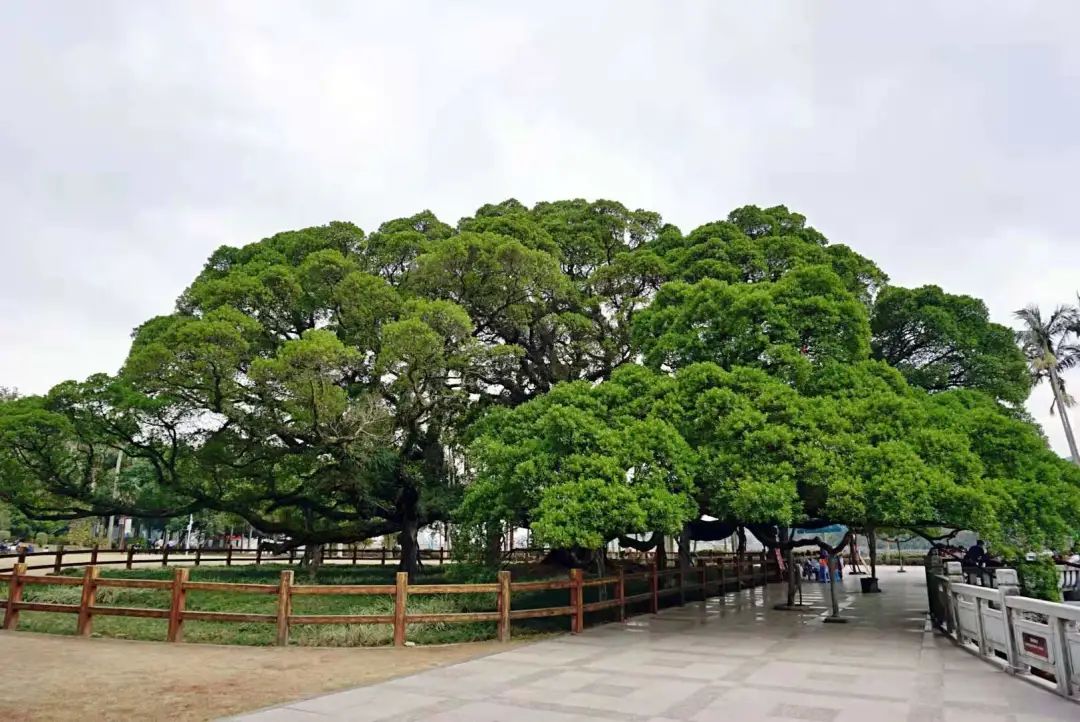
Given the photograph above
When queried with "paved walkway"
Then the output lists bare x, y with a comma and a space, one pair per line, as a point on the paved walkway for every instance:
734, 659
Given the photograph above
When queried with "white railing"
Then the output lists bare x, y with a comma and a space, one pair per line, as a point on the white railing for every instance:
999, 624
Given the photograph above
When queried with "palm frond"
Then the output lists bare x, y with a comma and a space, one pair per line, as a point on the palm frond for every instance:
1062, 321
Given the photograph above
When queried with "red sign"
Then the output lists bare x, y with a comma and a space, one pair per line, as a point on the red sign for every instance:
1035, 646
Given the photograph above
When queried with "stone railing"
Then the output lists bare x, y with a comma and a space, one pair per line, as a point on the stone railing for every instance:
1029, 636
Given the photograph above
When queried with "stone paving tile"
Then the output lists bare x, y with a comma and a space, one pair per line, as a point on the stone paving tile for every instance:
731, 660
367, 704
646, 697
500, 712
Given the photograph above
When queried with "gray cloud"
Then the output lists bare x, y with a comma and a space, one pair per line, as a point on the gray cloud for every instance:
938, 139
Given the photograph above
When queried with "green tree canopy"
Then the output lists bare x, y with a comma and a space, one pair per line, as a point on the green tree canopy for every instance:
940, 341
808, 311
851, 444
323, 384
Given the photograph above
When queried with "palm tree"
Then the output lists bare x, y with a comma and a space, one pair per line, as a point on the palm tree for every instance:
1051, 348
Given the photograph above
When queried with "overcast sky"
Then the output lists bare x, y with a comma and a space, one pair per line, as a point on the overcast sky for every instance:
940, 139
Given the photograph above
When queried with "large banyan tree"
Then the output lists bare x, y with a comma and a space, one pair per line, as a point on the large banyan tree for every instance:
577, 368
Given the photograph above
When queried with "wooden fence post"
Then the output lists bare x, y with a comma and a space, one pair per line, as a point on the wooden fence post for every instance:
93, 555
15, 590
130, 556
401, 600
504, 605
284, 607
654, 581
228, 557
86, 604
176, 605
258, 553
59, 559
22, 555
620, 590
579, 601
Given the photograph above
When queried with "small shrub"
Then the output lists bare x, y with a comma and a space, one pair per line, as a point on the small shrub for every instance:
1039, 579
81, 533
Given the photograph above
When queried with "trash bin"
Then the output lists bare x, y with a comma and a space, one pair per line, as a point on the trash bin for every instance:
869, 585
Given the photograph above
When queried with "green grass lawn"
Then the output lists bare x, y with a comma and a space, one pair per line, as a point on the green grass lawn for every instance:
311, 635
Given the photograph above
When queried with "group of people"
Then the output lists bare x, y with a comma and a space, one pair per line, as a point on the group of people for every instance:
820, 572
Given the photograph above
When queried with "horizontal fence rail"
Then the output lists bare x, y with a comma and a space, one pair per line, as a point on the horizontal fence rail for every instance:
35, 561
710, 577
1030, 636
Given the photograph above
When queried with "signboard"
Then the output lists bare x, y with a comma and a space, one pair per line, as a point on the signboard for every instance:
1035, 645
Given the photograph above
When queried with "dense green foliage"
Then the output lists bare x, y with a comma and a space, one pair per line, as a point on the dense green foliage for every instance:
333, 385
941, 341
1040, 579
848, 443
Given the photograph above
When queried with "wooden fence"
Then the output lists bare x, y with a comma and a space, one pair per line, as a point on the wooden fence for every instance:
702, 580
35, 561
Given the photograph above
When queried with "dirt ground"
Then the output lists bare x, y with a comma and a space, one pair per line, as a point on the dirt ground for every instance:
43, 677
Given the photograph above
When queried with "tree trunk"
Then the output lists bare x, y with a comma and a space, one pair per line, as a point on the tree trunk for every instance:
601, 569
871, 541
1059, 401
661, 553
410, 548
684, 555
789, 562
312, 559
493, 549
